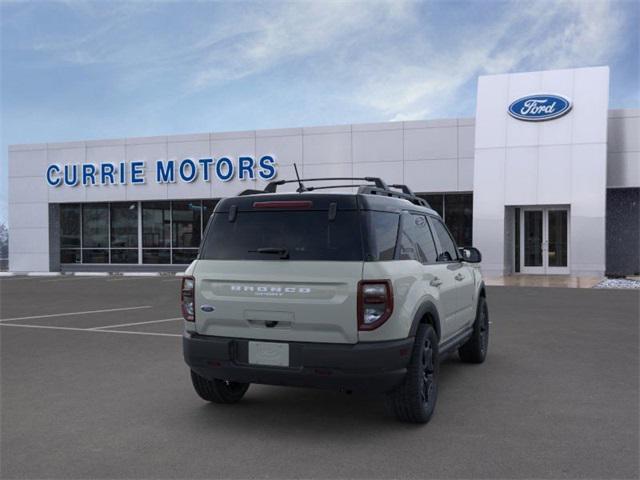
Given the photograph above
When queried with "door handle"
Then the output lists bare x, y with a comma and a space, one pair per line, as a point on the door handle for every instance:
436, 282
459, 277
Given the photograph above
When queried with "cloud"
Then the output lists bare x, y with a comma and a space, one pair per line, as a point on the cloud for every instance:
535, 37
393, 58
293, 31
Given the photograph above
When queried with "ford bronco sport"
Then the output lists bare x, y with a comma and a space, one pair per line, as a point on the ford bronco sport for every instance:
361, 291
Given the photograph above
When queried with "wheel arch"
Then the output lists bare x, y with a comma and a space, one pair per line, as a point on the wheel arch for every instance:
426, 314
482, 291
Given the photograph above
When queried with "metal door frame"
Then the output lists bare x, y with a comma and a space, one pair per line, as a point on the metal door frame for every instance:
545, 269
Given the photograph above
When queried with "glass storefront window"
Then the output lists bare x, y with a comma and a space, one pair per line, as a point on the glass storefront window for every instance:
70, 255
184, 255
186, 220
95, 225
156, 224
127, 255
456, 209
156, 255
108, 232
208, 206
124, 225
436, 200
458, 215
69, 226
95, 255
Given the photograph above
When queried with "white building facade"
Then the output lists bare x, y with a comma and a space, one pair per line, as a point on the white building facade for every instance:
544, 180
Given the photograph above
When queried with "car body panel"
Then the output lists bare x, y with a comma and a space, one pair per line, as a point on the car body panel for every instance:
280, 300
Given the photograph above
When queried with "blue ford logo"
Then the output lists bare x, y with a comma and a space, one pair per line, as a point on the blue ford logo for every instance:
207, 308
535, 108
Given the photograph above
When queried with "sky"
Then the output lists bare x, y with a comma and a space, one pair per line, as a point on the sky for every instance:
73, 70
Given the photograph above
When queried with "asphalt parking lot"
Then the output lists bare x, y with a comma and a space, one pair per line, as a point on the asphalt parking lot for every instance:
94, 386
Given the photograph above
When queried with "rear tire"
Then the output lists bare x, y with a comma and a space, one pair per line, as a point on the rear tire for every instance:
475, 349
414, 400
218, 391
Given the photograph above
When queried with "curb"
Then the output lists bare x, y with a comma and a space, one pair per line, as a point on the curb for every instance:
92, 274
140, 274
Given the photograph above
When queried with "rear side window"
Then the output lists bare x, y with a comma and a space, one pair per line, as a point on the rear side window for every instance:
381, 235
416, 241
304, 235
448, 252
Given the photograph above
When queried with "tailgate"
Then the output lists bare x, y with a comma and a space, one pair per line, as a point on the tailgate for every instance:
300, 301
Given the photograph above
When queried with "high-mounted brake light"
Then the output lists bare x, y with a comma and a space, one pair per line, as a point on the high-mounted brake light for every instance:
284, 204
375, 303
187, 300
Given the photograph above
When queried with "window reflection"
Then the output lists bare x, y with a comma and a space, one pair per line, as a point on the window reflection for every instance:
208, 206
436, 201
95, 255
186, 218
456, 209
156, 224
95, 225
108, 232
69, 226
156, 256
124, 225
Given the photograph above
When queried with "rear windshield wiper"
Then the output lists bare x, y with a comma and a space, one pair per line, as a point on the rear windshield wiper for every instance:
283, 252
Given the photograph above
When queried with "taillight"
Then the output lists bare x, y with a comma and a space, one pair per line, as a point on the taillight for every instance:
187, 301
375, 303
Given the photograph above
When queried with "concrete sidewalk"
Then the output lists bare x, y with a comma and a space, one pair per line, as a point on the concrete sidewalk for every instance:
557, 281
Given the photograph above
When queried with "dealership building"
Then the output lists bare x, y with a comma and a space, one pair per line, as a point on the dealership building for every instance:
544, 180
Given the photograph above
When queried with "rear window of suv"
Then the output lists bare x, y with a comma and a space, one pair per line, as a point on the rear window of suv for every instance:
302, 234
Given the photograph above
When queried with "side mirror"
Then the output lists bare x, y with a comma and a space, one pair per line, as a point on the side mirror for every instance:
470, 254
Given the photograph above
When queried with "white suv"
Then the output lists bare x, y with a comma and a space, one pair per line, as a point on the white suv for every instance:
361, 291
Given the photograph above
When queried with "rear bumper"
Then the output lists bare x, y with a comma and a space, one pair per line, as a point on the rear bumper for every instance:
370, 367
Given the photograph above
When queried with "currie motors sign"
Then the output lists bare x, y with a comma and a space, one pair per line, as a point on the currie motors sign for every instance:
137, 172
536, 108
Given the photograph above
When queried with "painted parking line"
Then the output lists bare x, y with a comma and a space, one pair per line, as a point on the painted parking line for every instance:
18, 279
71, 279
135, 323
124, 279
88, 312
74, 329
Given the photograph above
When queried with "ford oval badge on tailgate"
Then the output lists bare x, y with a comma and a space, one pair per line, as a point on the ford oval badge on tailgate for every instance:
207, 308
536, 108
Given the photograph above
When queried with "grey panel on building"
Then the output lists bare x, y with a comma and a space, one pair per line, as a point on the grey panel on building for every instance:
623, 231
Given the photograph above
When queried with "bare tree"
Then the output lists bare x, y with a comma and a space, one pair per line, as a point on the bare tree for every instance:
4, 241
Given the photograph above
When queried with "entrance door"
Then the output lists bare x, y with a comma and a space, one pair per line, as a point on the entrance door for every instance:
544, 240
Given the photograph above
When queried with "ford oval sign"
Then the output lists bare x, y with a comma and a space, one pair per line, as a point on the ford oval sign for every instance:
536, 108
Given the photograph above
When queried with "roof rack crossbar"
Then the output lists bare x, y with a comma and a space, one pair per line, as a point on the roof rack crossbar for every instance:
370, 190
404, 188
327, 187
378, 187
273, 186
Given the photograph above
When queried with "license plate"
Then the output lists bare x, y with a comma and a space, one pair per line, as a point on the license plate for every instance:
269, 353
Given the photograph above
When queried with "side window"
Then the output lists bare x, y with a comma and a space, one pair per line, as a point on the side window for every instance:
382, 235
406, 247
448, 251
416, 242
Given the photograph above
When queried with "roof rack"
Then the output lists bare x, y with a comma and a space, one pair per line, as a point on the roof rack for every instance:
376, 186
273, 186
406, 193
